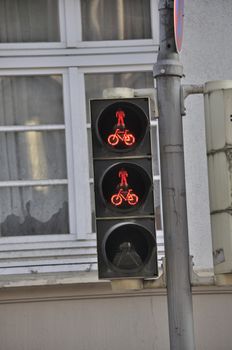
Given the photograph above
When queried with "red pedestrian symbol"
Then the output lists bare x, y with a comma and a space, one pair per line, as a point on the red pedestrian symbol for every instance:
120, 115
121, 135
123, 175
124, 194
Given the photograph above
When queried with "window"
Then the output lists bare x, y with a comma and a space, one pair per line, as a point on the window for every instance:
55, 55
33, 175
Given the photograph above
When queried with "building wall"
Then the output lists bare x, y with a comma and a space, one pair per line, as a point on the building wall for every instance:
91, 317
206, 55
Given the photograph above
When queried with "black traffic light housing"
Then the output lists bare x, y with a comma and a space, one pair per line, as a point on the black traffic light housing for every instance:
123, 183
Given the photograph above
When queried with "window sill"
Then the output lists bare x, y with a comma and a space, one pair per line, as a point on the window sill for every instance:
37, 280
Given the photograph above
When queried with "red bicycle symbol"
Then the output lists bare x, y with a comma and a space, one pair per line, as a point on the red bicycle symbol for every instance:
126, 196
121, 135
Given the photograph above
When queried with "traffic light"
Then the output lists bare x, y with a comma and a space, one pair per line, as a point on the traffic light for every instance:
123, 184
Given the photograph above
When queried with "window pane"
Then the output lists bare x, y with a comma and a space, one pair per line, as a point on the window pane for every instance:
29, 21
38, 210
115, 19
32, 155
31, 100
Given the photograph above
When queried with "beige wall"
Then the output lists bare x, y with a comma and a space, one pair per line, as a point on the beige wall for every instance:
205, 56
91, 317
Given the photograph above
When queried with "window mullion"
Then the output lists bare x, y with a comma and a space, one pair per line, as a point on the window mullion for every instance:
62, 21
80, 152
69, 154
73, 22
154, 21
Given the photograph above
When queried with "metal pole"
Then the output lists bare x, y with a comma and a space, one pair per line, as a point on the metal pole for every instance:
168, 72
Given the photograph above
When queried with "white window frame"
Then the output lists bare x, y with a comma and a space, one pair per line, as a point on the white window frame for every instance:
71, 32
75, 251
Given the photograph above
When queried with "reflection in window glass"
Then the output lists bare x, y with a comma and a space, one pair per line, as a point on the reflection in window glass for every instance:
115, 19
24, 21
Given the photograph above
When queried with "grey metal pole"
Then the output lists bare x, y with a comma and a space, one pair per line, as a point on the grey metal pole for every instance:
168, 72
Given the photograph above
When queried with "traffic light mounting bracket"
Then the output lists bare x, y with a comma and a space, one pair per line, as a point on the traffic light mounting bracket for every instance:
187, 90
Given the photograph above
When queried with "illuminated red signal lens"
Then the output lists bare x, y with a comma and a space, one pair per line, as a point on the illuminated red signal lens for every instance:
121, 125
127, 196
121, 136
125, 186
124, 194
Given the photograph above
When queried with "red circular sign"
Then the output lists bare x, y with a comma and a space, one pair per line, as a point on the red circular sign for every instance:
178, 23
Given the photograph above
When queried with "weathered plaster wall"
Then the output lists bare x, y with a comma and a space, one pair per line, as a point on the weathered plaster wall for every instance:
91, 317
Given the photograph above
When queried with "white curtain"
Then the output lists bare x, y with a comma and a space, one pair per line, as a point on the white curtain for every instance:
115, 19
32, 155
29, 21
